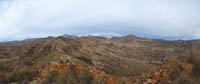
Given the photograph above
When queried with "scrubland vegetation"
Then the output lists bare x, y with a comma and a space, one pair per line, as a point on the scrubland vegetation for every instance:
127, 60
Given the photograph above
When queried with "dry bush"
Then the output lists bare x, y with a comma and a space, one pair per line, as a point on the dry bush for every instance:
24, 74
68, 76
193, 77
51, 77
84, 77
87, 60
98, 78
195, 60
5, 68
124, 70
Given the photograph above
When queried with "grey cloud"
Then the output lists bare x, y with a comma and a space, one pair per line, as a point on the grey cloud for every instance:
168, 19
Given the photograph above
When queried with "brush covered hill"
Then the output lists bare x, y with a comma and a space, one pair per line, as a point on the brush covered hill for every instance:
72, 60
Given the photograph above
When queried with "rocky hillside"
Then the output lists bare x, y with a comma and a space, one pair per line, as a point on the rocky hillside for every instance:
128, 59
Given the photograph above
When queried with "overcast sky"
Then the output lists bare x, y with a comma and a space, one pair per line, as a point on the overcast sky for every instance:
161, 19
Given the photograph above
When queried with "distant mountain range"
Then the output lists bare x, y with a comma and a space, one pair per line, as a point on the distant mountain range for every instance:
75, 37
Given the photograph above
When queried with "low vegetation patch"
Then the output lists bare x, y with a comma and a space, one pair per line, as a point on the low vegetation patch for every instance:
195, 60
87, 60
68, 76
22, 75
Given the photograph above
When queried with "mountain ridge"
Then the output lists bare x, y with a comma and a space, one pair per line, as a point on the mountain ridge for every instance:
122, 57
